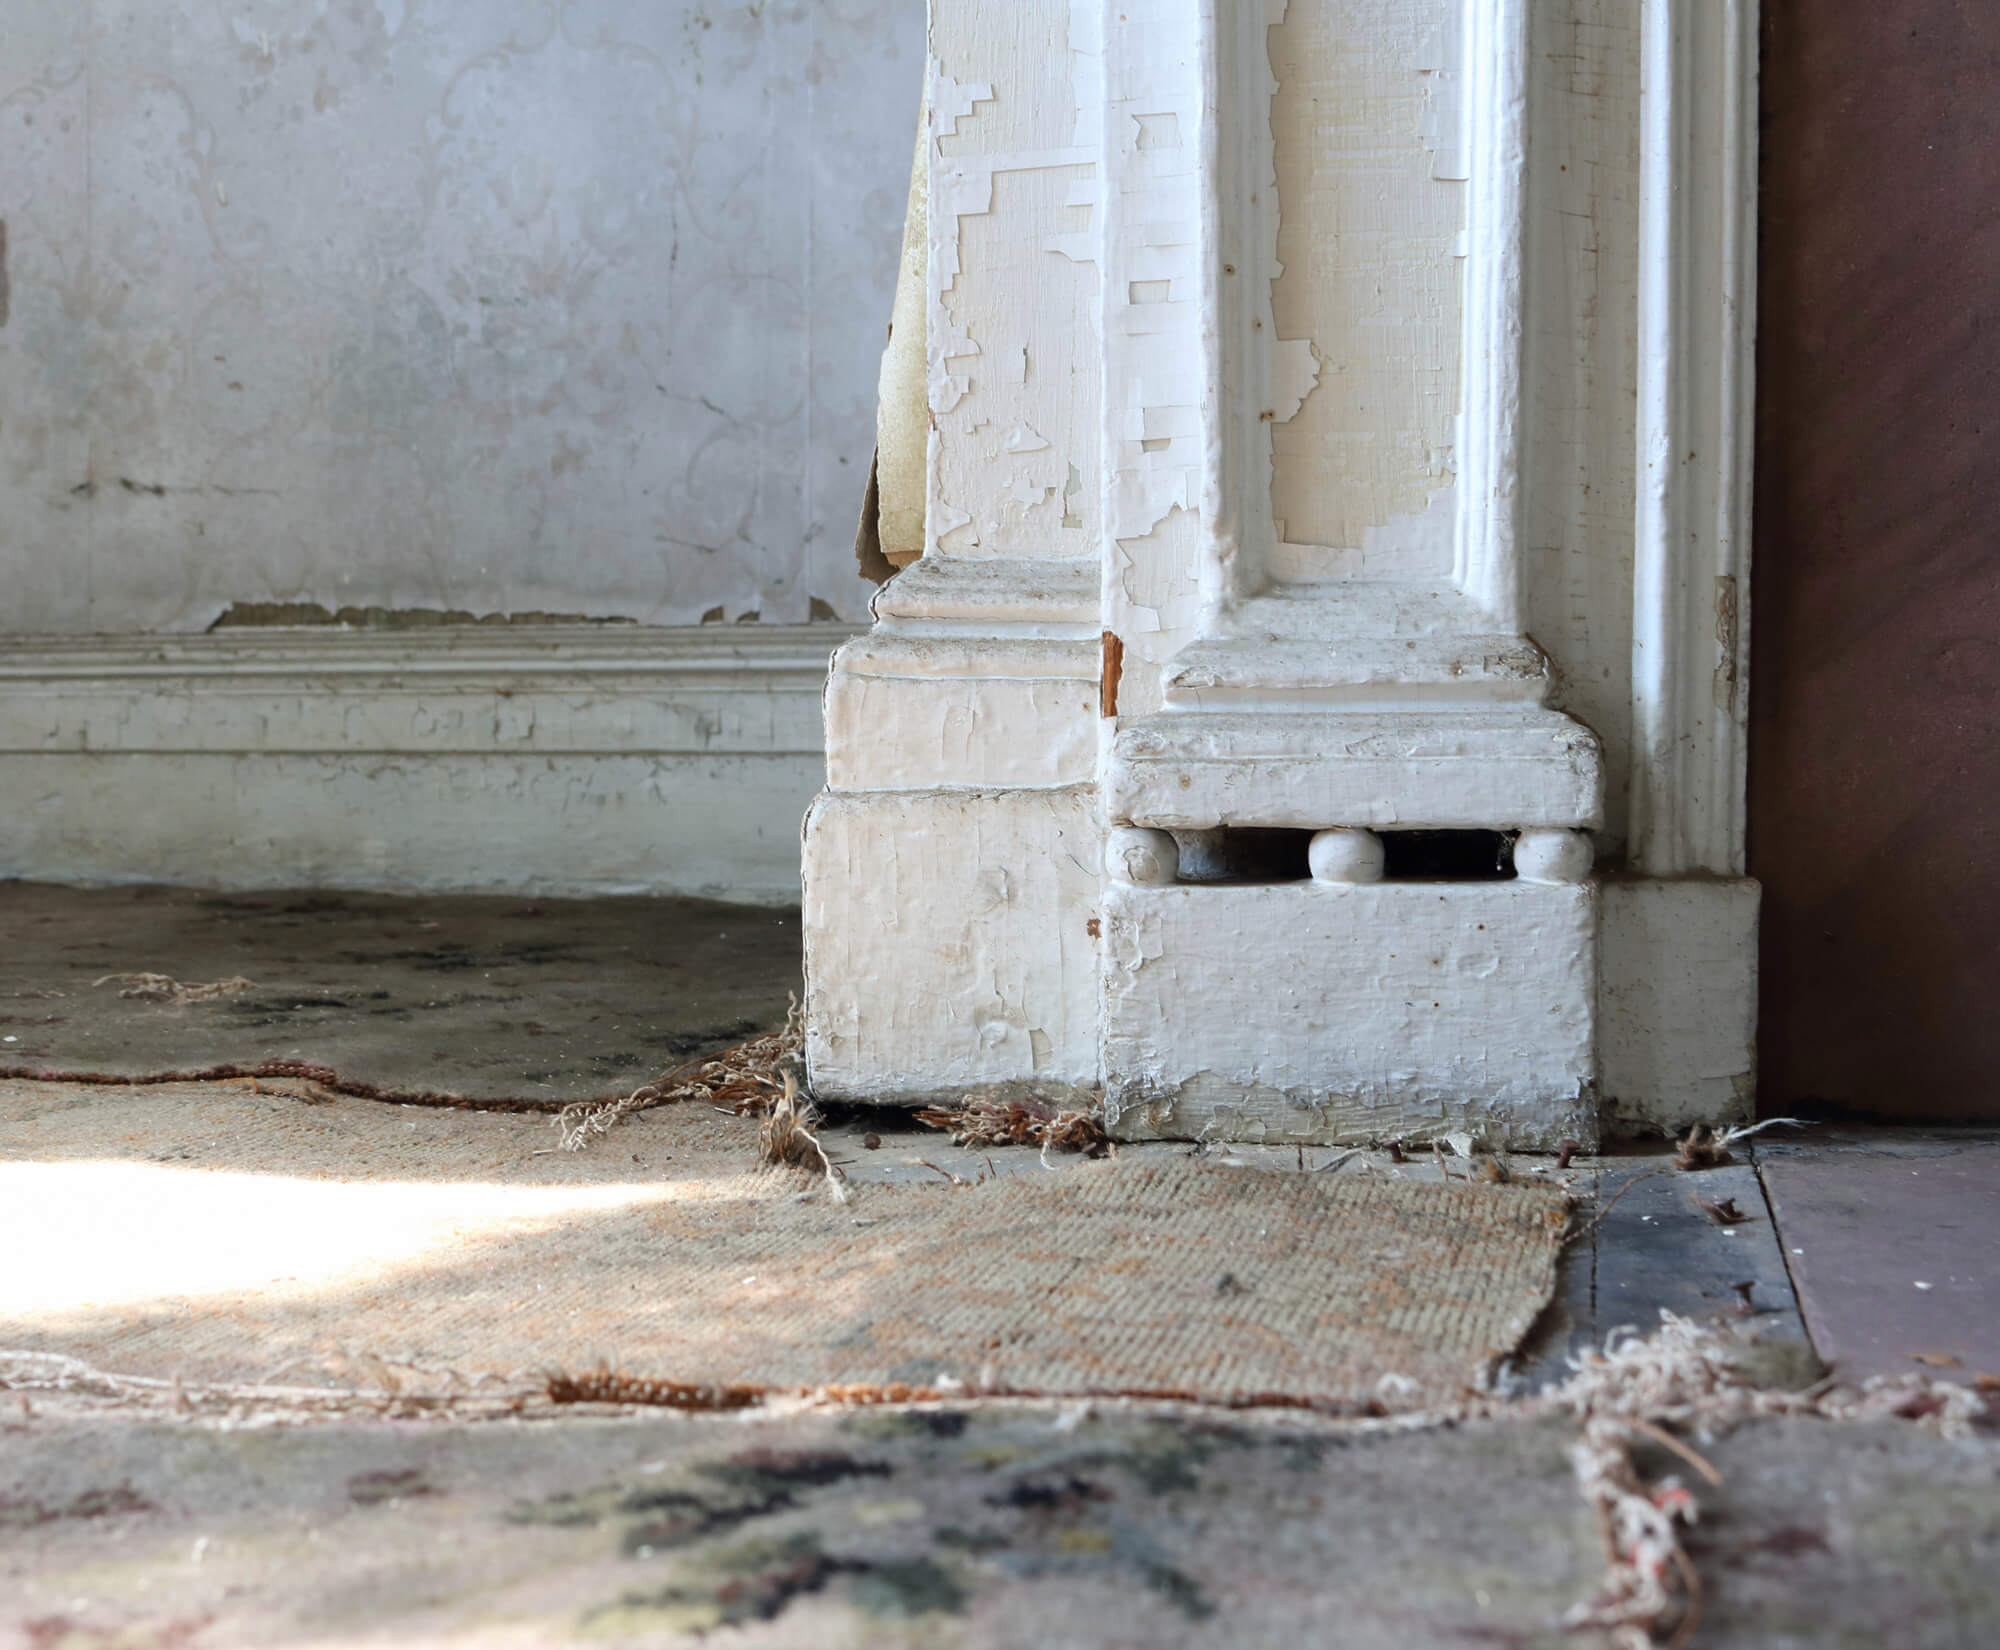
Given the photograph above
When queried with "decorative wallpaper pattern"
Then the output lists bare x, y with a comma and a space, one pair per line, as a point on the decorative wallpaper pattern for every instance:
499, 306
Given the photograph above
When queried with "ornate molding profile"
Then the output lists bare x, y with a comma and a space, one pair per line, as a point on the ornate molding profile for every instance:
615, 690
1296, 658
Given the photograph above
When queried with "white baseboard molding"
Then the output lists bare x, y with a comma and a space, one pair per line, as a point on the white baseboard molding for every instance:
557, 760
1677, 1002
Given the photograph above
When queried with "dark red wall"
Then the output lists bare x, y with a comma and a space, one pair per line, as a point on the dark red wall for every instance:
1875, 682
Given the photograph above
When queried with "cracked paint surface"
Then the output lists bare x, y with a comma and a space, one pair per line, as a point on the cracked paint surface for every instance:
1156, 437
1013, 280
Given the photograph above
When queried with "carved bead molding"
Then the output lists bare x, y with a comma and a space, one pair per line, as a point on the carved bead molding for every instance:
1552, 856
1346, 856
1142, 859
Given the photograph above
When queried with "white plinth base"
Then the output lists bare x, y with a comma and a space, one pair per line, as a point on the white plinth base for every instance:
1335, 1013
950, 945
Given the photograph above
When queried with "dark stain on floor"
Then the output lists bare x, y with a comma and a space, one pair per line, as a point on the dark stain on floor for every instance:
486, 997
118, 1501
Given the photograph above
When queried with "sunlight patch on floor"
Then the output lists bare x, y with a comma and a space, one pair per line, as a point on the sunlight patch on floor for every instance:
106, 1234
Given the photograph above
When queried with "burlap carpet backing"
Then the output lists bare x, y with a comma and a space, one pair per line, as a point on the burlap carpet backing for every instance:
224, 1234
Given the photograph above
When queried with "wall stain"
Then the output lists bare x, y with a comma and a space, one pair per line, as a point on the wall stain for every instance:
245, 614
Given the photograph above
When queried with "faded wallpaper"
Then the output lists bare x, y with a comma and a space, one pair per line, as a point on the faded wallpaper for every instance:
493, 306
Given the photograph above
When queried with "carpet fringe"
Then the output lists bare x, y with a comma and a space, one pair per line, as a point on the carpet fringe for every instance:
989, 1119
1693, 1377
748, 1078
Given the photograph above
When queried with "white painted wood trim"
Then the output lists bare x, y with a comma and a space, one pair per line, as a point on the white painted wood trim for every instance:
557, 761
1223, 316
1697, 284
954, 910
1488, 563
573, 690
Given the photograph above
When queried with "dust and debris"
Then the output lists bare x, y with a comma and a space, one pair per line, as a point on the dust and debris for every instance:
989, 1172
164, 988
989, 1119
750, 1077
1704, 1147
786, 1140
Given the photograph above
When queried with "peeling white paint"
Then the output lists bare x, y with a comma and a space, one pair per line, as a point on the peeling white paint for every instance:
1157, 602
1321, 501
1013, 280
952, 102
1416, 549
1156, 391
1295, 370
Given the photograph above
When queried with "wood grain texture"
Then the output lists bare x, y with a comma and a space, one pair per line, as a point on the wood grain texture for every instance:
1874, 766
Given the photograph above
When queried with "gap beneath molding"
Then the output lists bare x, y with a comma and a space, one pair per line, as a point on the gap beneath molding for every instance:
1448, 856
1264, 854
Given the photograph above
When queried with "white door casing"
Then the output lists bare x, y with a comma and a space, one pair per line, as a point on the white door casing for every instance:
1251, 680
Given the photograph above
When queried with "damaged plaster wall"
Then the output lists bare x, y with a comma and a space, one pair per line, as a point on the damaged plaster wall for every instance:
1013, 279
570, 306
1366, 124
